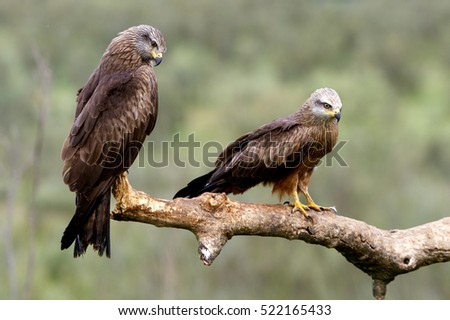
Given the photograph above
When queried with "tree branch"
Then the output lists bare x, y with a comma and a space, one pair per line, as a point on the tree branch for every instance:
214, 219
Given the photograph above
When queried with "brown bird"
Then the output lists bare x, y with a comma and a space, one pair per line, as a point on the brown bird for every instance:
116, 110
282, 153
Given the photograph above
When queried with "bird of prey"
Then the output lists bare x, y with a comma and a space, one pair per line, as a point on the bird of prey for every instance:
282, 153
116, 110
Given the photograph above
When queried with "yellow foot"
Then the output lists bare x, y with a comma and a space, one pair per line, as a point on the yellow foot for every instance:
314, 206
298, 206
318, 208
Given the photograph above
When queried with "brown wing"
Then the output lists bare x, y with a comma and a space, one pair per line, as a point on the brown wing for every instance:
114, 114
265, 155
109, 128
85, 93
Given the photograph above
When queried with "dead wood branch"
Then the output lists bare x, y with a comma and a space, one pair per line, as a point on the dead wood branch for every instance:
214, 219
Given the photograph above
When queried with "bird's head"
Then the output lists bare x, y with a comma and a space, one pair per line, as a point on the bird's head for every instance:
139, 43
150, 43
325, 104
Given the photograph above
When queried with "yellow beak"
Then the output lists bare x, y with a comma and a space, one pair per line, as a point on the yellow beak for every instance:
157, 56
334, 113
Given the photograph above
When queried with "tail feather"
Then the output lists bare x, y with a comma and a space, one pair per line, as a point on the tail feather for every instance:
89, 225
196, 187
101, 240
217, 181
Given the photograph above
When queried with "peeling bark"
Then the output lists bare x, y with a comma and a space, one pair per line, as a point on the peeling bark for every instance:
214, 219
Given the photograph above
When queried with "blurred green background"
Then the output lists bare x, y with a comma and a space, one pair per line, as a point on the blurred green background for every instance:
230, 67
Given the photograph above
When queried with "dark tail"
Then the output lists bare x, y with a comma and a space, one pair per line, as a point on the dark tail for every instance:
89, 225
196, 187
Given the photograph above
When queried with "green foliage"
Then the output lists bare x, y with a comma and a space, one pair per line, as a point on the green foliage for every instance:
230, 67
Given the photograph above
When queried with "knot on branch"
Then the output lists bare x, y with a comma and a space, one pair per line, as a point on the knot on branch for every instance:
212, 201
379, 288
210, 246
212, 236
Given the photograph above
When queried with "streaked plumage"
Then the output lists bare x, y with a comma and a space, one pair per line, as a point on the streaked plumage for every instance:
282, 153
116, 110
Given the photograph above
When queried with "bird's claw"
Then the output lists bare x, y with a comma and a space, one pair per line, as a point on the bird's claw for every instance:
315, 207
330, 209
299, 207
320, 208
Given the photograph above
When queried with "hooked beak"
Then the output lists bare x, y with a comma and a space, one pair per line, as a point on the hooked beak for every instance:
337, 115
157, 57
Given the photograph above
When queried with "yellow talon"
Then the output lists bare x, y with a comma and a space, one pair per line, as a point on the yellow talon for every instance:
314, 206
311, 203
297, 205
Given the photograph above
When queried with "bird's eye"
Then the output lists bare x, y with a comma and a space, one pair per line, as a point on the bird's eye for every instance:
154, 44
326, 106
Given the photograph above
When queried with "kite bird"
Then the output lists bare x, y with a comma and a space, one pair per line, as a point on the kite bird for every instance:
282, 153
116, 110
